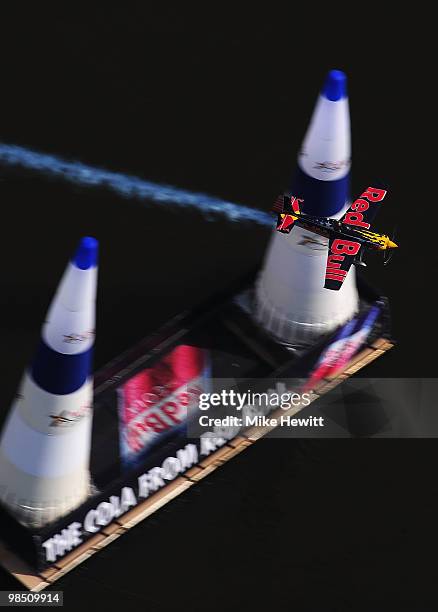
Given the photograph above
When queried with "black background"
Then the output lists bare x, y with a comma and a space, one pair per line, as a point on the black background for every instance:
219, 102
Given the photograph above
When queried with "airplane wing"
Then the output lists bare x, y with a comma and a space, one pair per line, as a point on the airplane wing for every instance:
341, 255
286, 206
364, 209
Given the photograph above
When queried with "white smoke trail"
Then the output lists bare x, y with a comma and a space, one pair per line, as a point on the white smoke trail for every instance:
126, 185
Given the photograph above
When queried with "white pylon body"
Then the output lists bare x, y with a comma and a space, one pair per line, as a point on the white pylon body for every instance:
45, 442
291, 301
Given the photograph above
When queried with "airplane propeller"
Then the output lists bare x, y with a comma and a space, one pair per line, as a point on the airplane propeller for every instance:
388, 254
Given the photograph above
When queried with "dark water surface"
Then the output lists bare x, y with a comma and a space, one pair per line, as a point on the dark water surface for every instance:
219, 104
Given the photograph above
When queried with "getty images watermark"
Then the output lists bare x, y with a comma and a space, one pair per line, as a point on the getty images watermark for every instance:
359, 407
228, 411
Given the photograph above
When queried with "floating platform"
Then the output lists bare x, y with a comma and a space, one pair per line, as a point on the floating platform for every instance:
138, 467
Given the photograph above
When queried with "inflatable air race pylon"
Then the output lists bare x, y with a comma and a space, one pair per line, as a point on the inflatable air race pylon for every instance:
291, 301
45, 442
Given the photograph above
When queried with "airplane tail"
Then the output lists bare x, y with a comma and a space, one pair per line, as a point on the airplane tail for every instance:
288, 210
287, 204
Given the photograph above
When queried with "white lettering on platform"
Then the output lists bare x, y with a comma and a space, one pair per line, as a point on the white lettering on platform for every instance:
106, 511
63, 542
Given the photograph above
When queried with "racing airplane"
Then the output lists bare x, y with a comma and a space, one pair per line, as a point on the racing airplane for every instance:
348, 237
